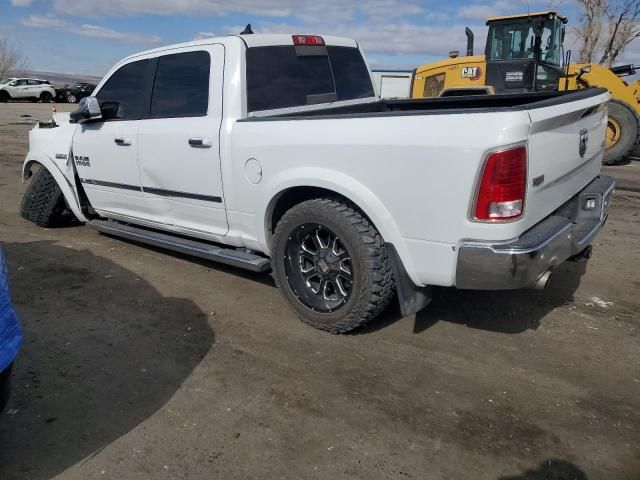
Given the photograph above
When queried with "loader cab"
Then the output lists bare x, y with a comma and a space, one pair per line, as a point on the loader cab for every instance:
524, 52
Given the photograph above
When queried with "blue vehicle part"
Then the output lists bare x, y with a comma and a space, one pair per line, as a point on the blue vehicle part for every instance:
10, 333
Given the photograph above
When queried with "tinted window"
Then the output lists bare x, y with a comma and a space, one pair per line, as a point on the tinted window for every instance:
278, 78
350, 73
125, 88
181, 86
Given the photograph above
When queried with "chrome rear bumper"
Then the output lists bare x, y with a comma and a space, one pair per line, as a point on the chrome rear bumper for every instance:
521, 262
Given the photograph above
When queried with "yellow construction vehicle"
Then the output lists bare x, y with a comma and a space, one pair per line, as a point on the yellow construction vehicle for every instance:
525, 53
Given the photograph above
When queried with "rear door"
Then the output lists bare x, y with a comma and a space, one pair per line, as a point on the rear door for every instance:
565, 150
20, 89
35, 88
179, 154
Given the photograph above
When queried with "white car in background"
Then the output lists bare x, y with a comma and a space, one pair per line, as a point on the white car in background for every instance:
26, 88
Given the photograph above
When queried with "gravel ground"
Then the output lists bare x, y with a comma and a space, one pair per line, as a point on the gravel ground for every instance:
142, 364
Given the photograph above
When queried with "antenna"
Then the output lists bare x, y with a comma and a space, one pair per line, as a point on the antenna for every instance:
247, 30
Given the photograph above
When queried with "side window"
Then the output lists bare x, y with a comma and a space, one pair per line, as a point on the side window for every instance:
123, 96
34, 82
181, 86
21, 83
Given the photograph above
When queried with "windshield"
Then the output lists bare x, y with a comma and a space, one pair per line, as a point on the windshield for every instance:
517, 41
4, 80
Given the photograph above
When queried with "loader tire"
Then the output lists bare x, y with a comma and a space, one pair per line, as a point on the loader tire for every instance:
623, 132
331, 265
43, 202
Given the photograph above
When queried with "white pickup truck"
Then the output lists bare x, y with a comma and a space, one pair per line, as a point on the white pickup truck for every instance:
273, 152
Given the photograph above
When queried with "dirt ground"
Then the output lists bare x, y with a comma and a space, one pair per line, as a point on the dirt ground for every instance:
141, 364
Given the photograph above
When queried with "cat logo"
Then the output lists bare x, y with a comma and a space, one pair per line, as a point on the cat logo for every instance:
472, 73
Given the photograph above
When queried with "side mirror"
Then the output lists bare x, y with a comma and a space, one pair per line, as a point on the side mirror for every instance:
88, 111
13, 84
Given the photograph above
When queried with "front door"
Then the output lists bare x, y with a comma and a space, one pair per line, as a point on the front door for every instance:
106, 152
19, 88
178, 151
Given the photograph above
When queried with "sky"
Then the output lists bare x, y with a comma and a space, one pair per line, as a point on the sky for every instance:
89, 36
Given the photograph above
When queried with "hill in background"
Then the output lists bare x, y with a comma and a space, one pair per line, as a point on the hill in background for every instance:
58, 80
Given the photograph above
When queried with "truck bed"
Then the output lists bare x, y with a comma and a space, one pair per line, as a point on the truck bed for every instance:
434, 106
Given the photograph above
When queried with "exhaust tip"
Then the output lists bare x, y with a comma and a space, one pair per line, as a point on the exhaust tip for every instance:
543, 281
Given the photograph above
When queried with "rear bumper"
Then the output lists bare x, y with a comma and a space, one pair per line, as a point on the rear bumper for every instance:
521, 262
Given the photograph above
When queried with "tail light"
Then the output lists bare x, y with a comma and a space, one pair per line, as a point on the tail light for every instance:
309, 40
503, 185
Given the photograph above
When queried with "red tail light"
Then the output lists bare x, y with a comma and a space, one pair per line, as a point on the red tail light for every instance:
310, 40
503, 185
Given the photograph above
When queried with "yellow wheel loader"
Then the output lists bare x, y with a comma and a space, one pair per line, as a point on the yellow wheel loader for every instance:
525, 53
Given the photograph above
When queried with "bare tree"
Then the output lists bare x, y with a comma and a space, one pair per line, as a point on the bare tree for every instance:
623, 27
607, 26
590, 28
554, 4
10, 58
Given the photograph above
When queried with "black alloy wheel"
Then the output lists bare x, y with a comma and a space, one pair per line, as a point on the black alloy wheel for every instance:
318, 268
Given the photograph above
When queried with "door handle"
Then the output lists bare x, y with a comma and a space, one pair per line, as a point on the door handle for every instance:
122, 141
199, 142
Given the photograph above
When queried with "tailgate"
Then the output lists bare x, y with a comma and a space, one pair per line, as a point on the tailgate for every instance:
566, 143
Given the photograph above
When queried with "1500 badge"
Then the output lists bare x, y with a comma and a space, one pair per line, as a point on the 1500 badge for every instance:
82, 161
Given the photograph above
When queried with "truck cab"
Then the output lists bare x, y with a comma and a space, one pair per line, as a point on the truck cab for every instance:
524, 52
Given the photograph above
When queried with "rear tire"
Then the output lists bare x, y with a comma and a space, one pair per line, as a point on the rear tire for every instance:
71, 98
46, 97
351, 280
623, 132
43, 202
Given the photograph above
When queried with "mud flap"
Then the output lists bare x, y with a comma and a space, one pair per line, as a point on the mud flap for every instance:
412, 298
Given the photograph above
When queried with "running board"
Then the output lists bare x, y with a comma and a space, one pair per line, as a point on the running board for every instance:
197, 248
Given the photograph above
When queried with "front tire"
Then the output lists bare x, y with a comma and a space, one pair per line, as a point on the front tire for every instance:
331, 265
71, 98
43, 202
623, 132
4, 96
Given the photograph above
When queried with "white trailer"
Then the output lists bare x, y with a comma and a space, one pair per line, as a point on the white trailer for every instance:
393, 83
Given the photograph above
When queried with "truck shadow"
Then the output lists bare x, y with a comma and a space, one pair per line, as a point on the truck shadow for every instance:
551, 470
103, 351
510, 312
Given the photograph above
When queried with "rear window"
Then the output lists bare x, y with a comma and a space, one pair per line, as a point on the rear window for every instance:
181, 87
277, 77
